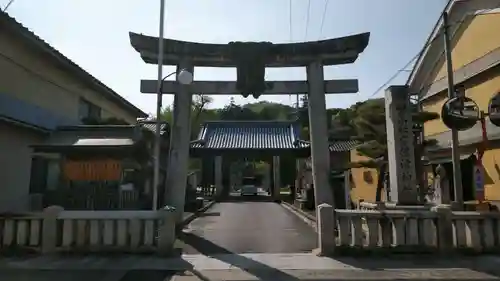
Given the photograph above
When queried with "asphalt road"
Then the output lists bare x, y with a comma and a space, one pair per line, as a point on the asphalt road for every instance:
247, 227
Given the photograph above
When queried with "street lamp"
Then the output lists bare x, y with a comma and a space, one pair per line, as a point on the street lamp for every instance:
184, 77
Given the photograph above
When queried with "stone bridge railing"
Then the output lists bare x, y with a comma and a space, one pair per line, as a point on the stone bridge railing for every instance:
57, 230
410, 231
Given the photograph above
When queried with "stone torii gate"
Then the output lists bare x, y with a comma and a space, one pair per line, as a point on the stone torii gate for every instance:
251, 59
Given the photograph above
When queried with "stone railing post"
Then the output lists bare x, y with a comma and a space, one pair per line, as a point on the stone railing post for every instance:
387, 231
49, 228
326, 229
166, 238
444, 227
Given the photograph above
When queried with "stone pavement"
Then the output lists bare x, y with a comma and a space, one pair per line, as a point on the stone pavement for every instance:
226, 244
333, 275
256, 226
246, 267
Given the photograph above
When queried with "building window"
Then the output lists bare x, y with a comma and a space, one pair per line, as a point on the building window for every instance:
88, 110
38, 180
53, 174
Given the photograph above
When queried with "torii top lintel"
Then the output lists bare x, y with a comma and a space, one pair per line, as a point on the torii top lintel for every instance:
343, 50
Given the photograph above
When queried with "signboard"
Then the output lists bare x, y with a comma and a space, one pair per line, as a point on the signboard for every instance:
478, 173
93, 170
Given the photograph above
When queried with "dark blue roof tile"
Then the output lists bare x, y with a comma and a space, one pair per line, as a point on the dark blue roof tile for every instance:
248, 135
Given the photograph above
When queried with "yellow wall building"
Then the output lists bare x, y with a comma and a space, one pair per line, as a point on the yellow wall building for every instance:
363, 181
476, 67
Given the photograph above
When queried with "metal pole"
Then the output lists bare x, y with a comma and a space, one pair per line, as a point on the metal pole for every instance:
423, 175
157, 151
457, 173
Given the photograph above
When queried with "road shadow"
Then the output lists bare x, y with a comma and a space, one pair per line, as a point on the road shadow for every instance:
258, 198
209, 214
150, 275
427, 261
255, 268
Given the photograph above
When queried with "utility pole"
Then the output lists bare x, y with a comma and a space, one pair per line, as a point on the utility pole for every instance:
455, 155
159, 101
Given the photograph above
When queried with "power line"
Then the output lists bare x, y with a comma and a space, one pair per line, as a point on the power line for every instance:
394, 76
307, 18
482, 13
325, 8
404, 68
290, 24
34, 73
433, 82
305, 38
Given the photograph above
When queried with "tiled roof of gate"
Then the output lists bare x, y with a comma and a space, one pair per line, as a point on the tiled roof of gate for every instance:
337, 145
343, 145
151, 125
249, 135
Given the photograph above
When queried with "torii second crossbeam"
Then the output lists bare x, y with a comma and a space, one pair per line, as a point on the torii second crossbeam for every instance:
337, 86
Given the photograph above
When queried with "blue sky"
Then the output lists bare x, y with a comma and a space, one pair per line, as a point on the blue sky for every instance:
94, 34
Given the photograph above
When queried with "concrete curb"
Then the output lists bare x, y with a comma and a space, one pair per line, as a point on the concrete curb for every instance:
193, 216
300, 214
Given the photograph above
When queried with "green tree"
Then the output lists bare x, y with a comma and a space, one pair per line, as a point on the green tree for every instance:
271, 111
233, 111
199, 115
370, 130
303, 117
199, 112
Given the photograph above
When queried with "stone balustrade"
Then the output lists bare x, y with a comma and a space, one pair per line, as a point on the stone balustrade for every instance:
409, 231
58, 230
368, 206
392, 206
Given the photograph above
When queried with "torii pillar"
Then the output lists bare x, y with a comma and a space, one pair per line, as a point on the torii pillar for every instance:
251, 59
318, 130
178, 161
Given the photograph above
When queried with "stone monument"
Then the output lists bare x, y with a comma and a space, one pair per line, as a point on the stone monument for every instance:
400, 146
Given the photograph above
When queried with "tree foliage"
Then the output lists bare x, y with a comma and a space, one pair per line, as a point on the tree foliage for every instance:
369, 123
262, 110
364, 121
